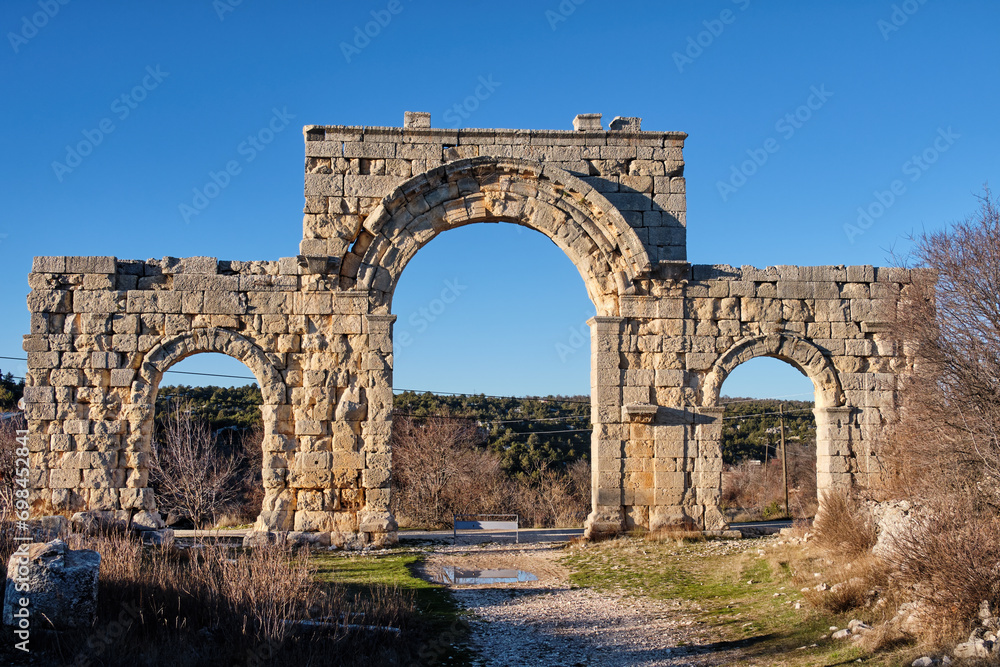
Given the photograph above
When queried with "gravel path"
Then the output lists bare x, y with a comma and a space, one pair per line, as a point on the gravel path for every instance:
549, 623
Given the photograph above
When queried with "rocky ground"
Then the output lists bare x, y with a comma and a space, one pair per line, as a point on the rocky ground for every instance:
551, 622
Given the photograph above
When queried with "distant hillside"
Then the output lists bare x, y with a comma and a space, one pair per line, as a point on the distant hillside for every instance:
527, 433
751, 429
221, 407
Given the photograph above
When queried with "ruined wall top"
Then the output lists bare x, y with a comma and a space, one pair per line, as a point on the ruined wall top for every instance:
350, 169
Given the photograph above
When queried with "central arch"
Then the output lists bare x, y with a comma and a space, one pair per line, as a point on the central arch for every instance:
603, 247
605, 250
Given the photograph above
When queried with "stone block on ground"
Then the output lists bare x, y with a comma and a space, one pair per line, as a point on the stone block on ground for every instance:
61, 583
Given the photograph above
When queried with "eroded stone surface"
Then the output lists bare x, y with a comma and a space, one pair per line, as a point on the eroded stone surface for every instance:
60, 584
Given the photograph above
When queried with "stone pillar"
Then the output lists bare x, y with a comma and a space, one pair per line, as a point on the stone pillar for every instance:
707, 476
609, 434
375, 520
833, 449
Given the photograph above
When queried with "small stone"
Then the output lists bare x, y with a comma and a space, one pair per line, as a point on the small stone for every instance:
922, 662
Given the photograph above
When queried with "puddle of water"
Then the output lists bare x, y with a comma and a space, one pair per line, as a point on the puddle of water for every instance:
456, 576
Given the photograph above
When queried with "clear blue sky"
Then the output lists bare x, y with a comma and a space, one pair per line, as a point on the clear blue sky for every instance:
887, 91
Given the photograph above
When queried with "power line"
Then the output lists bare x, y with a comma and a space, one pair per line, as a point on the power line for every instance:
492, 421
767, 414
519, 398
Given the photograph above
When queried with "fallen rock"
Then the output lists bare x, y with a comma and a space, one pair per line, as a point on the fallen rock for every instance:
61, 585
973, 649
158, 538
922, 662
143, 521
858, 627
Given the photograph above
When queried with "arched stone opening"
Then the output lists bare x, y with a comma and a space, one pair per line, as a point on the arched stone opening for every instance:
606, 251
275, 411
833, 419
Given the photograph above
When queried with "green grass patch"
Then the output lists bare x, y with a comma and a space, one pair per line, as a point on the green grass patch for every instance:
739, 597
443, 627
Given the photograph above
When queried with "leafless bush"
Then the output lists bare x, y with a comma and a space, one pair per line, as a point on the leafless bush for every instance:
8, 447
948, 323
189, 474
218, 606
950, 561
844, 528
439, 470
553, 499
752, 492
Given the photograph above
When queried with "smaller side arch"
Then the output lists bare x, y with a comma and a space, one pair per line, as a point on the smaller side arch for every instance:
801, 353
171, 350
142, 401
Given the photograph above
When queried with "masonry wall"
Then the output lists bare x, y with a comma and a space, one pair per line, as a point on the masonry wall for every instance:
316, 331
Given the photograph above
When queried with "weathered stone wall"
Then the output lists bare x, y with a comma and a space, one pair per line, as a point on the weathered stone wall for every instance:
316, 330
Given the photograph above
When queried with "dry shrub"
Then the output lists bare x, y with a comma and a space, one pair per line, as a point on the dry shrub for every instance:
754, 492
950, 562
853, 585
439, 470
8, 447
552, 500
844, 529
191, 476
219, 606
676, 535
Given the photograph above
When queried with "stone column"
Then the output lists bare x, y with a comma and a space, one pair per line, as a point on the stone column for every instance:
608, 437
375, 520
707, 464
833, 449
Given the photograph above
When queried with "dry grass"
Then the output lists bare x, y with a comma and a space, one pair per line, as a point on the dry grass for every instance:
217, 606
949, 561
844, 529
676, 535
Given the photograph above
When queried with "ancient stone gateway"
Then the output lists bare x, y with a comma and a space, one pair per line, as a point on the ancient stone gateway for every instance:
316, 330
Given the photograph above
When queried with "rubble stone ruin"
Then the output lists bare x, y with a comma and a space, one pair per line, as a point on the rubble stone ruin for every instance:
316, 330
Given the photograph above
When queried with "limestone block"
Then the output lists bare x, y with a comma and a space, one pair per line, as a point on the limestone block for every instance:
137, 498
372, 478
86, 301
140, 301
48, 265
61, 585
281, 521
64, 479
90, 265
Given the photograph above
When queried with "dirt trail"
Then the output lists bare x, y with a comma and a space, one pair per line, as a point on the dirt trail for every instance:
548, 622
